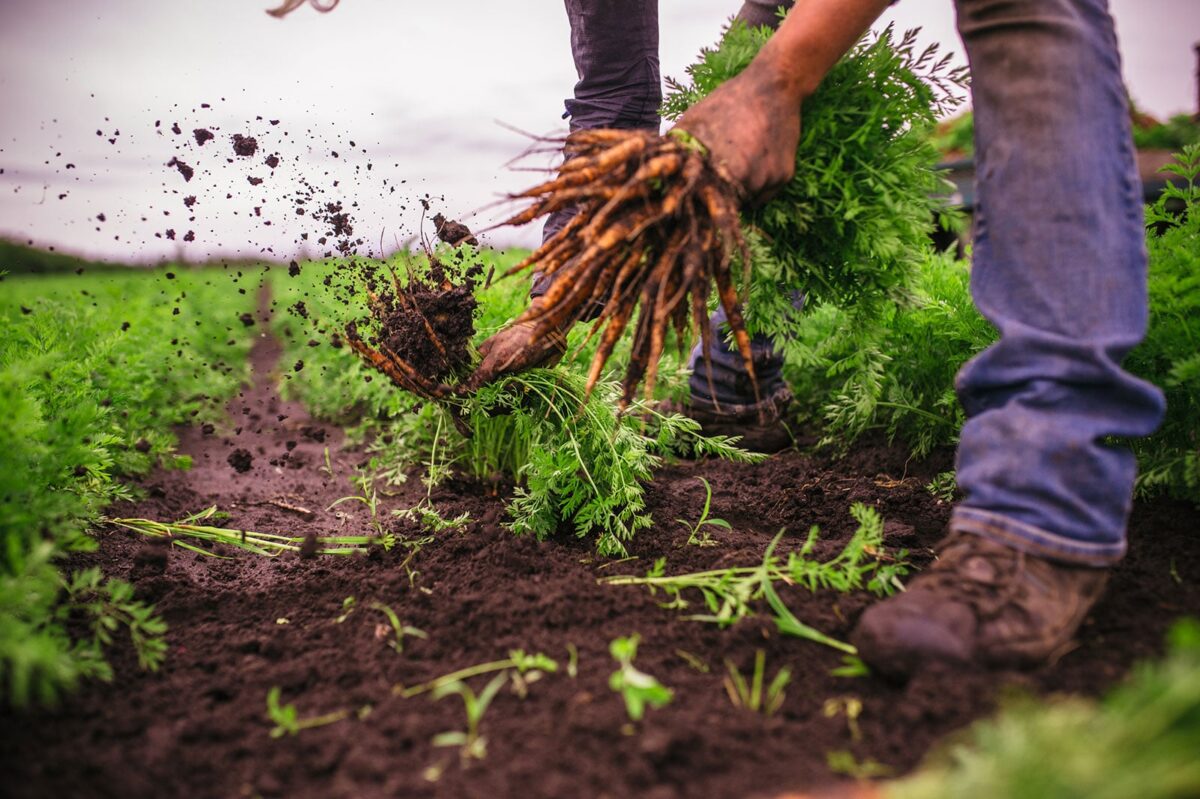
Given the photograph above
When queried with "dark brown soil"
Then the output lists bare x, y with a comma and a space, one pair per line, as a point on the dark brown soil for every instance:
183, 168
453, 232
203, 135
429, 320
244, 146
241, 460
238, 627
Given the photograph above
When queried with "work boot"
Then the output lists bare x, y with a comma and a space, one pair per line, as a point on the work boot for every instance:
980, 603
762, 427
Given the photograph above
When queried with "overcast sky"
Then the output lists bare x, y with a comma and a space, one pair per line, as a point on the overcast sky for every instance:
421, 89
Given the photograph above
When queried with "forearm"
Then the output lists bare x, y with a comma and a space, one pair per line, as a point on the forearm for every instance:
811, 39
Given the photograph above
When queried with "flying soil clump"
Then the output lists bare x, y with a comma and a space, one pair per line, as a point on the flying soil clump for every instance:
244, 146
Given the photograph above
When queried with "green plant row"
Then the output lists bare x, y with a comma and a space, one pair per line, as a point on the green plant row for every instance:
907, 387
1140, 741
956, 137
94, 371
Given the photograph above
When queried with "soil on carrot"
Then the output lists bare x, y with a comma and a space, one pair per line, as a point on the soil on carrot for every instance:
430, 324
238, 627
428, 320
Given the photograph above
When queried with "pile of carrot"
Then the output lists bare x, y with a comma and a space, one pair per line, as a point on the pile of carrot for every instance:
655, 226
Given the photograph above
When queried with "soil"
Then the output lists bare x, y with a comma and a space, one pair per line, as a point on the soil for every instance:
244, 146
240, 626
241, 460
429, 320
453, 232
183, 168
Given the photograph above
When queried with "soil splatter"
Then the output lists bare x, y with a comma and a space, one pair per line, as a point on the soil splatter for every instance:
241, 460
244, 146
183, 168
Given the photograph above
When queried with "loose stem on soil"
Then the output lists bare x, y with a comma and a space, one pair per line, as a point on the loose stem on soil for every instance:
517, 660
266, 544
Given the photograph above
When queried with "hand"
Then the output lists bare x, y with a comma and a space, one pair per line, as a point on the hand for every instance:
511, 350
751, 127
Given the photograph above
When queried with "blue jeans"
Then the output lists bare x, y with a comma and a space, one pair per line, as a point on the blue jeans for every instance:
1059, 264
615, 47
1060, 270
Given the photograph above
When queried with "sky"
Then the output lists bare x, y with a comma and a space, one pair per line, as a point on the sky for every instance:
376, 106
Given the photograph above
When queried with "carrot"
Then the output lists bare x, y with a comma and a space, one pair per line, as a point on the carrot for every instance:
656, 227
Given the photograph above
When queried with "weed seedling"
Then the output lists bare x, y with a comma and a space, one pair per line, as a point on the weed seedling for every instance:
398, 629
348, 605
852, 707
697, 535
572, 661
471, 744
693, 660
369, 497
636, 687
287, 720
844, 762
751, 696
852, 666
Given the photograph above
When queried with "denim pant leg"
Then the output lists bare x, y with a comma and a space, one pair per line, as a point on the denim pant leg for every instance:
1060, 270
615, 47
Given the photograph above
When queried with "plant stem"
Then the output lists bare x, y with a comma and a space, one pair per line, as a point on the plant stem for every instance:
266, 544
461, 674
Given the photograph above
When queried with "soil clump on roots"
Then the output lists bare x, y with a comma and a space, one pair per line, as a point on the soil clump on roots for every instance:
424, 321
429, 324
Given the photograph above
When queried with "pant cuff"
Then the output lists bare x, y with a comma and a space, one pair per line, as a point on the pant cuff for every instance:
1035, 540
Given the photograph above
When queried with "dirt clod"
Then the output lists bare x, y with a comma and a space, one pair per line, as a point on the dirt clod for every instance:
453, 232
183, 168
244, 146
308, 548
241, 460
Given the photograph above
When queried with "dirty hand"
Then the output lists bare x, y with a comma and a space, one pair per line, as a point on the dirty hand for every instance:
751, 126
511, 351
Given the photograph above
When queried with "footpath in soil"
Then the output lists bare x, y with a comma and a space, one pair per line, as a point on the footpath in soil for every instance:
238, 627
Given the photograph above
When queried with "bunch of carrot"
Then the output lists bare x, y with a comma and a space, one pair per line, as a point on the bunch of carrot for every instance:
655, 225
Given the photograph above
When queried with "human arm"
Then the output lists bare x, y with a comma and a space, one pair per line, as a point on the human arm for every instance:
751, 123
